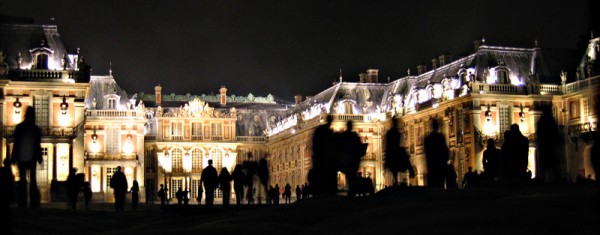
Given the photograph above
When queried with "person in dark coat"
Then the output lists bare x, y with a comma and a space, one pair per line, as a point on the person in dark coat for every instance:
73, 188
491, 160
27, 151
238, 177
119, 184
351, 150
263, 173
135, 195
396, 158
210, 180
225, 186
200, 192
162, 194
87, 194
179, 196
298, 193
322, 178
515, 153
436, 155
251, 167
287, 193
548, 144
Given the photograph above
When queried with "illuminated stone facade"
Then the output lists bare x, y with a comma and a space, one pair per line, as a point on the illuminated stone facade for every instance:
91, 124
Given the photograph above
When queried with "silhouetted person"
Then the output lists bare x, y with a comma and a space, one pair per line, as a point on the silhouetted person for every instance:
251, 167
179, 196
271, 194
210, 180
298, 193
323, 175
436, 154
149, 194
186, 197
287, 193
238, 177
366, 185
162, 194
263, 173
25, 153
515, 151
225, 186
73, 188
276, 194
7, 185
135, 195
491, 160
119, 184
351, 150
87, 194
548, 145
396, 158
451, 177
469, 178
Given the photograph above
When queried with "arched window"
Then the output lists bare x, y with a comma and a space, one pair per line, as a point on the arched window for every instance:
196, 160
216, 155
502, 75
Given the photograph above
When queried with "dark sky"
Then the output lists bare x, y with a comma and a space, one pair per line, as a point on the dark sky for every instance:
290, 47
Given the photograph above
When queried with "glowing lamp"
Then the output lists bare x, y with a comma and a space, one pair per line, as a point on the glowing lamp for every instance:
18, 106
64, 106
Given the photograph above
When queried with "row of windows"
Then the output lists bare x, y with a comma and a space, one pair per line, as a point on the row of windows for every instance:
177, 129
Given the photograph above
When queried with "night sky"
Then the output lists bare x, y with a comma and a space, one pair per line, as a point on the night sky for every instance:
291, 47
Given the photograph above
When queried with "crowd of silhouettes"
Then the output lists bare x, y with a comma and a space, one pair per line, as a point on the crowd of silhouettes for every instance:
333, 152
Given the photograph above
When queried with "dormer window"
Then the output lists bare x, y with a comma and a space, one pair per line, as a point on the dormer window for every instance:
111, 104
502, 74
41, 56
41, 61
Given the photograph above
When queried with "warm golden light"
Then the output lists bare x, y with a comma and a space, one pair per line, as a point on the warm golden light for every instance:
164, 159
187, 162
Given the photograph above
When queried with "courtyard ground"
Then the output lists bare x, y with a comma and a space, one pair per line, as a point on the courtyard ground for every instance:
536, 209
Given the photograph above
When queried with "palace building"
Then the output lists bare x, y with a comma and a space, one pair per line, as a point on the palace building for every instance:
89, 123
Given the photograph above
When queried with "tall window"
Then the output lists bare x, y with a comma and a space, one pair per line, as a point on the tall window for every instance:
215, 129
586, 108
110, 171
40, 103
175, 185
177, 131
42, 61
112, 104
176, 155
502, 75
216, 156
194, 190
112, 140
196, 160
196, 130
504, 113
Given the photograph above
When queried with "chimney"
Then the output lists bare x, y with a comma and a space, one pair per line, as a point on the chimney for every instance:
373, 75
444, 59
421, 69
157, 95
434, 63
298, 99
363, 77
223, 96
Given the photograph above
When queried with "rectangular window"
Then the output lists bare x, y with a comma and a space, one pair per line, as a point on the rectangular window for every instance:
504, 113
196, 130
112, 140
110, 171
586, 108
40, 103
195, 185
177, 131
175, 185
215, 129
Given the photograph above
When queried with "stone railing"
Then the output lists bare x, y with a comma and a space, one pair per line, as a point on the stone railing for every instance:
583, 84
49, 74
114, 113
252, 139
113, 156
59, 132
549, 89
497, 88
